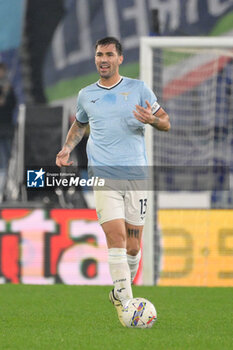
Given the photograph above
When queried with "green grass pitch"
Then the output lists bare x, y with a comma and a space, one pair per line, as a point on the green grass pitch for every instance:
63, 317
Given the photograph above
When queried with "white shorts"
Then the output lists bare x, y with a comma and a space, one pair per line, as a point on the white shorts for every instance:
129, 205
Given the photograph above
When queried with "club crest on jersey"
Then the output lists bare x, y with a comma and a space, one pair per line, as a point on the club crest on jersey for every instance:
125, 94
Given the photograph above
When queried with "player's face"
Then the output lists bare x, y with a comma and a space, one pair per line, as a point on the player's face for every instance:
107, 61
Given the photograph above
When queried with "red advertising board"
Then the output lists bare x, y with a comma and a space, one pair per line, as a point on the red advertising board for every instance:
53, 246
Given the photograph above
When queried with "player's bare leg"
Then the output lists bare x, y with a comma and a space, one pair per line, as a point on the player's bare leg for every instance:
115, 232
133, 245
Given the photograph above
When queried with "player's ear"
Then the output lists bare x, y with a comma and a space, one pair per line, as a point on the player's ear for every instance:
121, 58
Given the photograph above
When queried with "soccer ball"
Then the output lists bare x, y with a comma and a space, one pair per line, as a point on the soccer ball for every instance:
140, 313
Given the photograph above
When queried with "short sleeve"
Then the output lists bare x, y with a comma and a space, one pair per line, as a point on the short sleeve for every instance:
81, 115
148, 94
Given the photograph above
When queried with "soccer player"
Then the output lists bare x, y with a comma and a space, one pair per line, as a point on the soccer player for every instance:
117, 109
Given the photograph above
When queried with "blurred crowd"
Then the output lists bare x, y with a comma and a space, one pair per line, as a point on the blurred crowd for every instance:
8, 103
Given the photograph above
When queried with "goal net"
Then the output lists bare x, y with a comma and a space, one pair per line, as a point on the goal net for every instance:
192, 78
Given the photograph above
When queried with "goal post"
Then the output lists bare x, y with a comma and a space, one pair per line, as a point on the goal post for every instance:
192, 78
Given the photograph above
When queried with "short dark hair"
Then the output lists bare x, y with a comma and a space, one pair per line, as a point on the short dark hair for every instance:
110, 40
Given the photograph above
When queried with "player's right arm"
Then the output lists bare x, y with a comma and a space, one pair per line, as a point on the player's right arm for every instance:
74, 136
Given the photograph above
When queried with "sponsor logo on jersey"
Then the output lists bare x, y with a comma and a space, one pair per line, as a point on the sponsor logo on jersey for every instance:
94, 101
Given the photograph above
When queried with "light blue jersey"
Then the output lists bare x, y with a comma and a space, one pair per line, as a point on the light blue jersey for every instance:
117, 137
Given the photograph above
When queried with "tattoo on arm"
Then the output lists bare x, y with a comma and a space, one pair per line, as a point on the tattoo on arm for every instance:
156, 122
75, 134
161, 121
133, 232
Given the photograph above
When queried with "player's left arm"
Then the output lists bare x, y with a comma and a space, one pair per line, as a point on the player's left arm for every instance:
159, 120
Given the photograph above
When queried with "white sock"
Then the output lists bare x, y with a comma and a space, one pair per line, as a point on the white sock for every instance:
120, 273
133, 262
